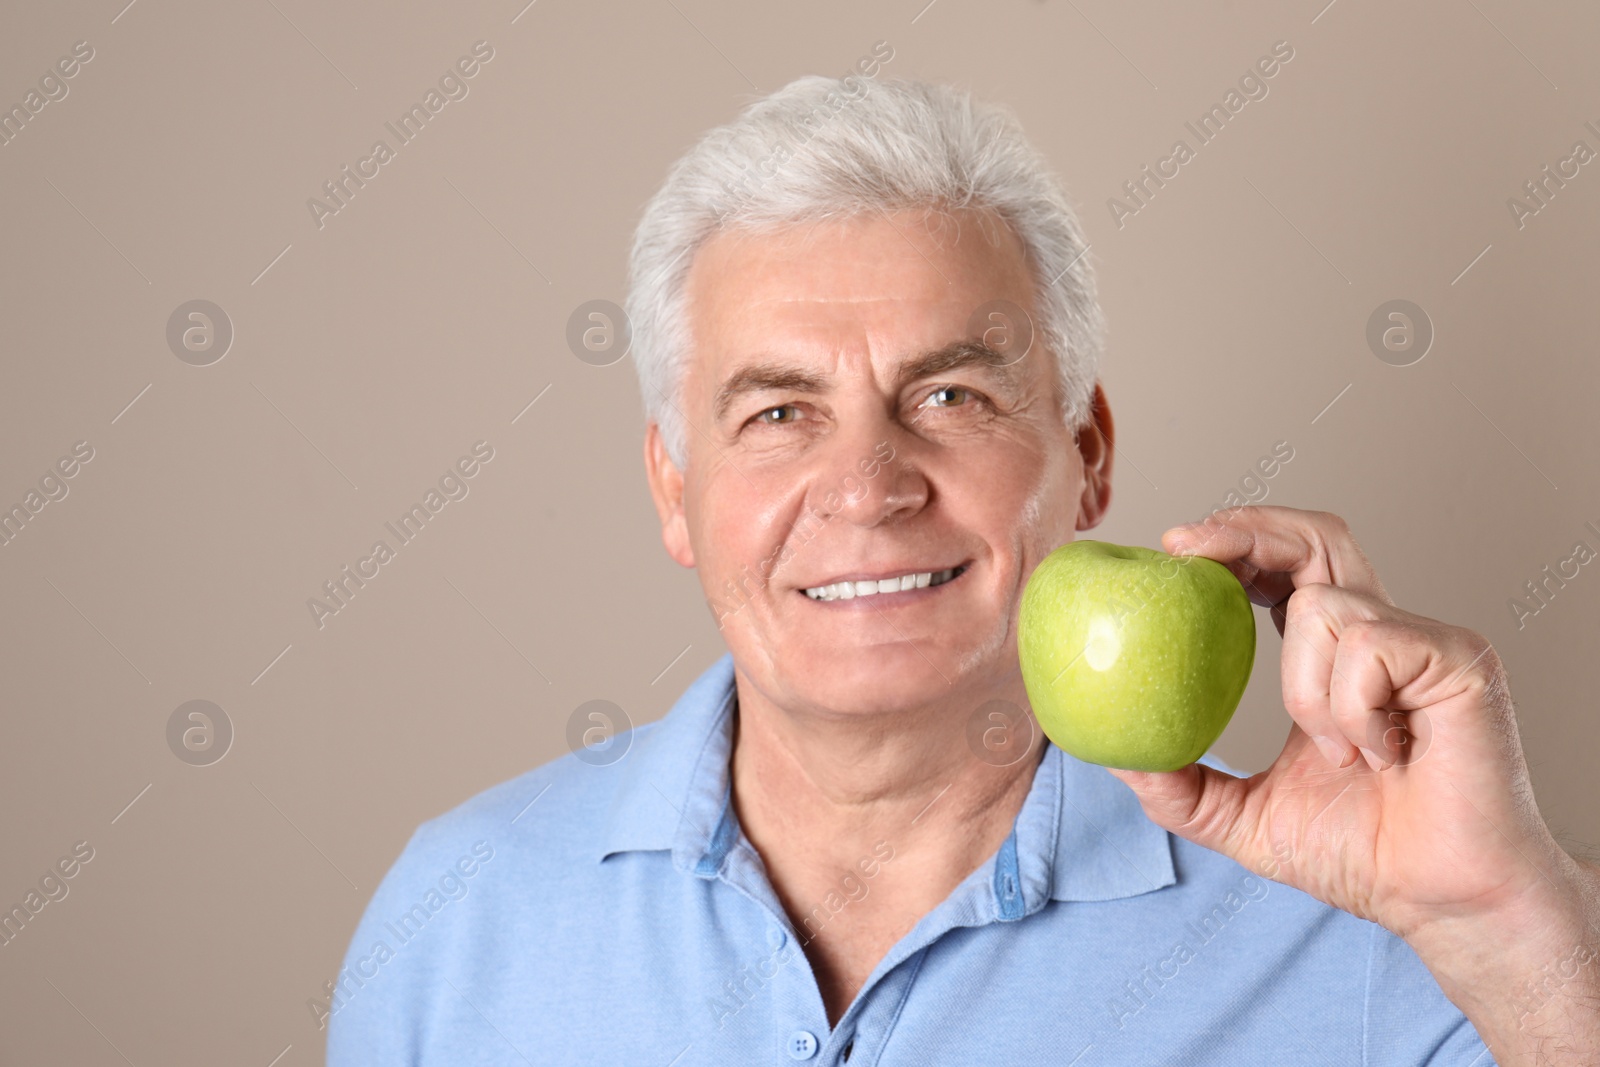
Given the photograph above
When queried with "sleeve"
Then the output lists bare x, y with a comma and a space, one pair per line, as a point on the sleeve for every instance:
1408, 1021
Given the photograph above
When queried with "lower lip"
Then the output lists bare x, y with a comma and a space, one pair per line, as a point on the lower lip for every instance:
906, 597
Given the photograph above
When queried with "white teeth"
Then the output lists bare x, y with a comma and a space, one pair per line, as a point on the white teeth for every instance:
851, 590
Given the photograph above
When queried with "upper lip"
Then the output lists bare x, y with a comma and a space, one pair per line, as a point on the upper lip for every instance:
880, 575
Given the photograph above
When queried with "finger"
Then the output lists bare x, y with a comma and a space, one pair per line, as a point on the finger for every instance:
1214, 539
1317, 617
1199, 803
1392, 675
1270, 590
1362, 686
1287, 548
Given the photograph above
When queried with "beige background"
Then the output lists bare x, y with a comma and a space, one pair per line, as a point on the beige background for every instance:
426, 315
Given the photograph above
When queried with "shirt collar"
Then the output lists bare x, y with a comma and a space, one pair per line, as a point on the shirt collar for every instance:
1080, 834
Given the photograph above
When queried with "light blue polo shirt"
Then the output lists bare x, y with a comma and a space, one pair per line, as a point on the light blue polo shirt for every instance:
616, 915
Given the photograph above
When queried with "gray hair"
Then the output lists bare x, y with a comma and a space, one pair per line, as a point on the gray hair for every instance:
828, 148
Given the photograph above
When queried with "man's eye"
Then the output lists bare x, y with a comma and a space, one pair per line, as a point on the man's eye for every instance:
776, 416
948, 396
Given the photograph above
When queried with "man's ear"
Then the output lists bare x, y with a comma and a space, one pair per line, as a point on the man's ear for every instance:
1096, 445
666, 489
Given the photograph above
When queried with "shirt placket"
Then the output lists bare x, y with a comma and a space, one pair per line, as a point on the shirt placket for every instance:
992, 892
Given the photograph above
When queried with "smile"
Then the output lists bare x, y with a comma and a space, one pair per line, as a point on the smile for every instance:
884, 586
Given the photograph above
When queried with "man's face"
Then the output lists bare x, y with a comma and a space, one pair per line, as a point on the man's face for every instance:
825, 446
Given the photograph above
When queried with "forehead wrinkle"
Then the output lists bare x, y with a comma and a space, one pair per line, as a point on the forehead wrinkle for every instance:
777, 374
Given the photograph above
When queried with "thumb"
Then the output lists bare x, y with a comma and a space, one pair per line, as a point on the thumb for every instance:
1198, 803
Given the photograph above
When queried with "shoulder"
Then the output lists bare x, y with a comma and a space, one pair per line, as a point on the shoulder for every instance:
464, 881
1405, 1016
550, 815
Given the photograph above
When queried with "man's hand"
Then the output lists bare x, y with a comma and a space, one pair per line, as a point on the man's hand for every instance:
1401, 795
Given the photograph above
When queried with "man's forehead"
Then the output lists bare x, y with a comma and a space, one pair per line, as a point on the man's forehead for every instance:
831, 288
815, 307
760, 374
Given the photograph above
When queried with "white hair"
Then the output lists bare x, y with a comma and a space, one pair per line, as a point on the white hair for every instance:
828, 148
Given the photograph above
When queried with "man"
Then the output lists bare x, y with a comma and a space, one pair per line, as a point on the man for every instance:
809, 858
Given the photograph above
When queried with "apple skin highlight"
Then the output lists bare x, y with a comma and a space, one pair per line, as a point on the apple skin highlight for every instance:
1133, 658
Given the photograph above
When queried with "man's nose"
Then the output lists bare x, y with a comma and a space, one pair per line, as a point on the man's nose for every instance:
878, 483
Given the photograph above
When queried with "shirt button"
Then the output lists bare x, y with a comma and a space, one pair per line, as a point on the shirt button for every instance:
776, 937
801, 1046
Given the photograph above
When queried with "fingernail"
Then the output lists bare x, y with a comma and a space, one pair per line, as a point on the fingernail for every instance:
1331, 750
1373, 759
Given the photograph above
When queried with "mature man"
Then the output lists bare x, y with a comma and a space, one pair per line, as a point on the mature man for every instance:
807, 858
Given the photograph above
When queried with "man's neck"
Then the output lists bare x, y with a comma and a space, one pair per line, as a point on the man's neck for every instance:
824, 798
825, 778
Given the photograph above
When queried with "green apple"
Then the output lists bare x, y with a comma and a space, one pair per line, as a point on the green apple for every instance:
1133, 658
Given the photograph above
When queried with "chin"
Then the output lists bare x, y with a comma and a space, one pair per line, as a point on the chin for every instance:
865, 679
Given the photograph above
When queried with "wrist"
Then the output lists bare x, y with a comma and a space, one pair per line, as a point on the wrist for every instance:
1527, 973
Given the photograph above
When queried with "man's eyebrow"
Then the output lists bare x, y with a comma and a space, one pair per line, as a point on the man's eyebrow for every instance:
759, 377
958, 355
